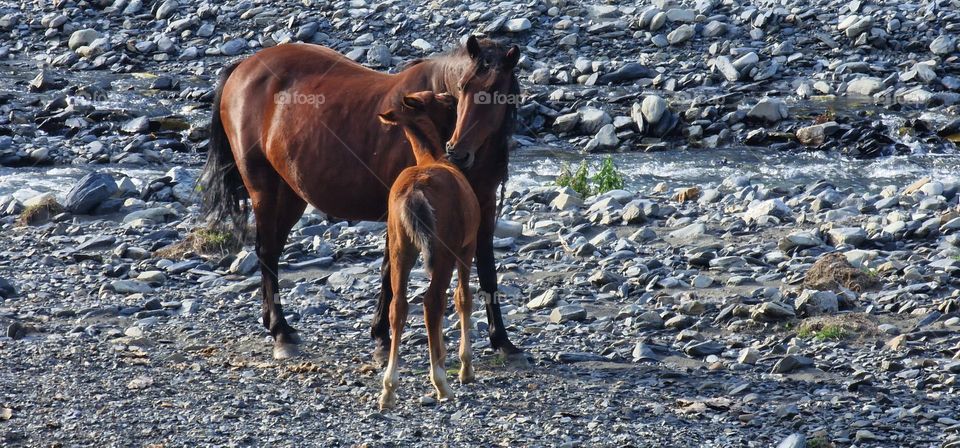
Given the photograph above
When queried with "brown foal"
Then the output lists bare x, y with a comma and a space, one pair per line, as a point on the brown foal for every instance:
432, 210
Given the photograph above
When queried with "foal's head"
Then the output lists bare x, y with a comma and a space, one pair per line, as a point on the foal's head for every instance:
427, 114
488, 94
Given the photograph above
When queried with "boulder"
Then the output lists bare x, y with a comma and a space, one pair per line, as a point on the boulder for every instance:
91, 191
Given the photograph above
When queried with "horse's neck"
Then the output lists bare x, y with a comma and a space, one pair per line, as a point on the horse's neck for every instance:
424, 144
440, 74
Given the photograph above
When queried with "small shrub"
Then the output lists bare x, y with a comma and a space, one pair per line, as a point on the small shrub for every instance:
608, 178
204, 242
822, 332
40, 213
576, 181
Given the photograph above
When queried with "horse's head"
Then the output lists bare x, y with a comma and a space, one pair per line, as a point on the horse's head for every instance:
488, 94
428, 113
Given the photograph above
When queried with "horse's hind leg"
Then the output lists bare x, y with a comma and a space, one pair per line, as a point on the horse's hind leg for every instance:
464, 303
402, 257
277, 209
434, 305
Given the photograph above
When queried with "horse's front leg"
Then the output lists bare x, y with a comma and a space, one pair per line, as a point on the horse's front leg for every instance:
487, 273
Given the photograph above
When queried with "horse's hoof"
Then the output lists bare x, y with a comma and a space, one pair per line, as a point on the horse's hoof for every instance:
388, 402
514, 359
467, 378
283, 351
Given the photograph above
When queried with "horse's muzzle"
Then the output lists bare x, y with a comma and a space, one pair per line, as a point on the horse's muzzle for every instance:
462, 160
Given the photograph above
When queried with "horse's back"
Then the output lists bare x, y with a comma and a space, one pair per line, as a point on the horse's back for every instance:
455, 206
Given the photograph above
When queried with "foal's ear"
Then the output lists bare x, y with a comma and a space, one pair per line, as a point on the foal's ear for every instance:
511, 58
388, 117
413, 101
473, 48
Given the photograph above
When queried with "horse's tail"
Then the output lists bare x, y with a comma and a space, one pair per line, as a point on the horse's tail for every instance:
221, 187
419, 223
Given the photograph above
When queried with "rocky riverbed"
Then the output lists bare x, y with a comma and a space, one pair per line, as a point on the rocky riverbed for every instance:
742, 308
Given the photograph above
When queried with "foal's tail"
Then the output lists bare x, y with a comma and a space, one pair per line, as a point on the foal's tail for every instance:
419, 222
221, 187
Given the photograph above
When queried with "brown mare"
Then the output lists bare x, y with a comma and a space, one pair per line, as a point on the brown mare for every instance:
432, 211
297, 123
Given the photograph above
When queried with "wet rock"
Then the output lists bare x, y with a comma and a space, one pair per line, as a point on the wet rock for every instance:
811, 135
89, 192
865, 86
795, 440
769, 110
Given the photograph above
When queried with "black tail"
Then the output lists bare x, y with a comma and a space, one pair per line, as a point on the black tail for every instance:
420, 224
221, 187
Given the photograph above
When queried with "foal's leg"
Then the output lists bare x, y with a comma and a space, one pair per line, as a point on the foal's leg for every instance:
402, 259
380, 328
434, 305
464, 303
277, 208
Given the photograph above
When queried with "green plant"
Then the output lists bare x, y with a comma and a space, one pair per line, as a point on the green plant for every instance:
828, 332
609, 177
576, 181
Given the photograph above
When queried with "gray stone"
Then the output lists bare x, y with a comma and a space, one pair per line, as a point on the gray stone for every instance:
565, 201
606, 137
769, 110
545, 300
815, 303
680, 35
82, 37
517, 25
233, 47
246, 263
791, 363
854, 236
130, 287
89, 192
568, 313
727, 69
653, 108
865, 86
770, 207
943, 45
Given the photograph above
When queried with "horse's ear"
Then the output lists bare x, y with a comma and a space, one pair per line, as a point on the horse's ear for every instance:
413, 101
511, 58
388, 117
473, 48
